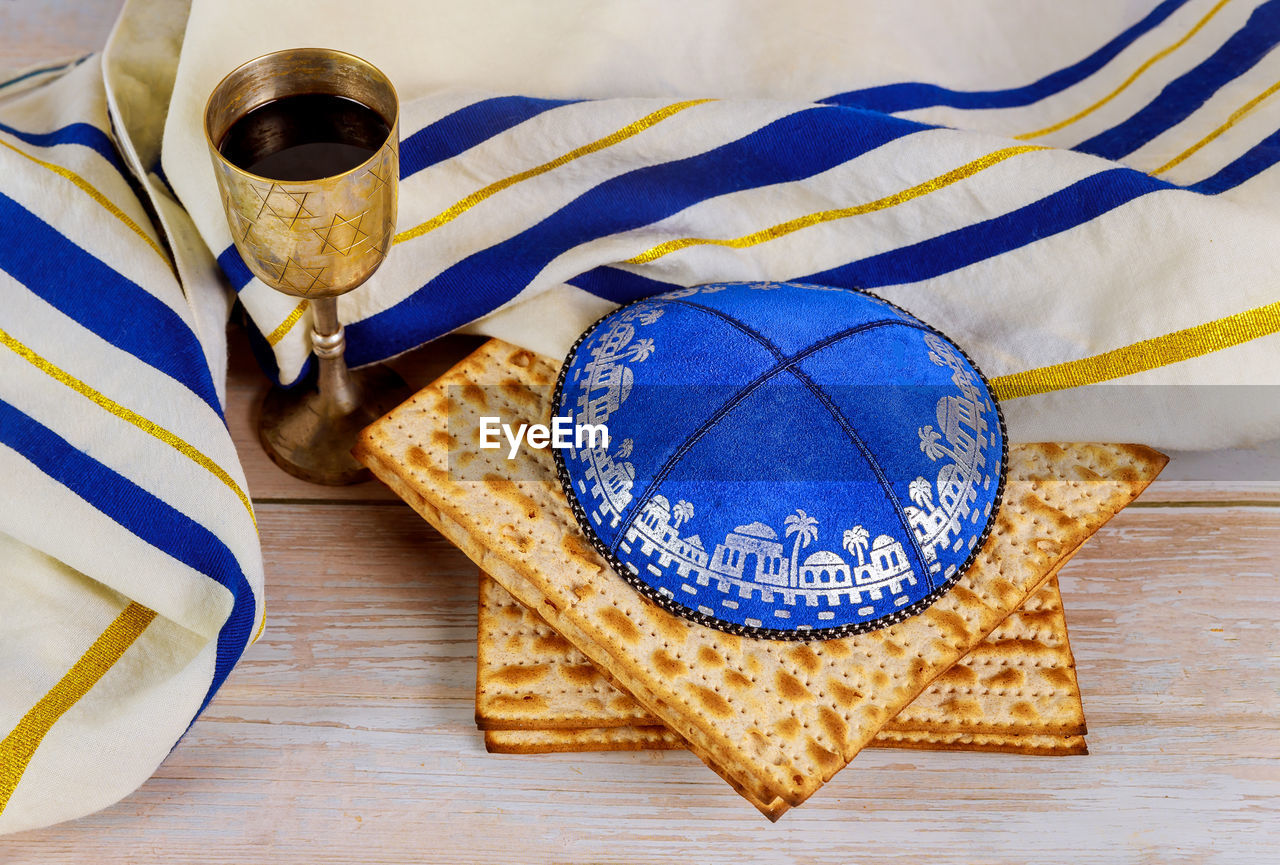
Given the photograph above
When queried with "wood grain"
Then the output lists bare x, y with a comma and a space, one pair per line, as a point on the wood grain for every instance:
46, 31
346, 734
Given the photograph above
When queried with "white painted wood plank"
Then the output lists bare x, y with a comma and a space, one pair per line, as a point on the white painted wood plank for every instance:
42, 31
347, 735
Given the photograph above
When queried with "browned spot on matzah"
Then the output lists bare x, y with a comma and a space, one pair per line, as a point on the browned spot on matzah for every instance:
576, 547
1058, 678
521, 675
792, 688
844, 695
620, 624
710, 657
957, 675
806, 658
962, 707
581, 674
1010, 677
827, 759
1024, 710
949, 623
552, 643
520, 394
510, 492
836, 649
833, 724
713, 702
667, 665
522, 705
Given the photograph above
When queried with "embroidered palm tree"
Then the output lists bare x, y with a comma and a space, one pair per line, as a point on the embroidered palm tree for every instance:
624, 449
931, 443
921, 492
641, 349
805, 528
855, 541
649, 316
682, 512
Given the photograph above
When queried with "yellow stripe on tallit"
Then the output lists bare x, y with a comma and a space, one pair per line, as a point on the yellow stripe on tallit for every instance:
102, 201
1141, 356
1151, 61
17, 749
1236, 117
287, 325
783, 228
632, 129
459, 207
149, 427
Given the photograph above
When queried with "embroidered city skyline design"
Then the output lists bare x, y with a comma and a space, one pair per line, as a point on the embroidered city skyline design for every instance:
758, 564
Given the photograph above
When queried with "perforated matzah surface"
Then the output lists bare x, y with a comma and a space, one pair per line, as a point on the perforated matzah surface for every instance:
779, 719
1019, 681
662, 739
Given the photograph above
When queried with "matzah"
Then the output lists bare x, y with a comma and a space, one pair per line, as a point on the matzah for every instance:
779, 719
662, 739
523, 666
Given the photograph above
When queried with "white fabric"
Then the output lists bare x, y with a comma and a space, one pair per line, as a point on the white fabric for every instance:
110, 621
1145, 270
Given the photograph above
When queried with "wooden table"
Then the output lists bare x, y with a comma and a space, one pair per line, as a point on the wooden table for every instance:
346, 733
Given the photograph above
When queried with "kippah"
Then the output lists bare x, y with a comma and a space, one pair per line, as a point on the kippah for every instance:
785, 461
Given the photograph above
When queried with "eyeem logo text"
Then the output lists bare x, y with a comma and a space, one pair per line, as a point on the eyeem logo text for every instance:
562, 433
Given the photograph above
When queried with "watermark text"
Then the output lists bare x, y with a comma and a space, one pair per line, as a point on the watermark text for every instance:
563, 433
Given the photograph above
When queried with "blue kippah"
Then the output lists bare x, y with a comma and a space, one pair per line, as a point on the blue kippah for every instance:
785, 461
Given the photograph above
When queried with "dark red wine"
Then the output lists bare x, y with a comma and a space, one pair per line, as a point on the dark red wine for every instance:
304, 137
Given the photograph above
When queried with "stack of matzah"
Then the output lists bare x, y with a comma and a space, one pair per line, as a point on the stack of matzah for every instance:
1015, 692
775, 719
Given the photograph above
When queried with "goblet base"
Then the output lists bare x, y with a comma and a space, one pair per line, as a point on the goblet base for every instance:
307, 434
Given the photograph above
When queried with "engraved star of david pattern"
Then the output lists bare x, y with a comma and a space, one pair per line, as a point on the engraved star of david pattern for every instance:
241, 226
342, 234
380, 172
316, 239
296, 276
288, 207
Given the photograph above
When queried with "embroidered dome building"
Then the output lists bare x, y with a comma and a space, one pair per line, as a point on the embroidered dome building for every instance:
824, 570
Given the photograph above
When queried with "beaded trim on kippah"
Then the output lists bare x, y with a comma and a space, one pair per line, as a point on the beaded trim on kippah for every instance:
908, 503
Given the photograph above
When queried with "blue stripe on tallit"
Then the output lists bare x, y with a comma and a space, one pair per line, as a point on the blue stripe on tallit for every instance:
1186, 93
910, 96
84, 134
465, 128
86, 290
618, 285
1063, 210
145, 516
791, 148
1256, 160
238, 273
42, 70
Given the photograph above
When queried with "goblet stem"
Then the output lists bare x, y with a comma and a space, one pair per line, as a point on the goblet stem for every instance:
338, 388
309, 433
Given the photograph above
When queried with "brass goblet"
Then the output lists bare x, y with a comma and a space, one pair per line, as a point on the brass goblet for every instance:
314, 237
